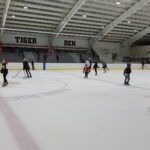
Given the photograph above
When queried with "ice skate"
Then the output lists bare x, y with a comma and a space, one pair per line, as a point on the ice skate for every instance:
5, 84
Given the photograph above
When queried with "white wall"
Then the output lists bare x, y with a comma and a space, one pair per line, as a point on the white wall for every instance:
125, 51
80, 42
140, 51
105, 50
9, 39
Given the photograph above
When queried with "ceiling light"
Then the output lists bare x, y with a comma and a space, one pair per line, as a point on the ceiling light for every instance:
13, 16
118, 2
135, 30
129, 21
25, 7
84, 16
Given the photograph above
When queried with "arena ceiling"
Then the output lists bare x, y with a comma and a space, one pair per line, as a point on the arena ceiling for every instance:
104, 20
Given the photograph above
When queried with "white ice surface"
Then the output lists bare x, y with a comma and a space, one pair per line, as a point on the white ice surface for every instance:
60, 110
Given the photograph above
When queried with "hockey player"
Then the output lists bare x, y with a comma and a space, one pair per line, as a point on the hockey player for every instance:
104, 66
127, 72
4, 71
86, 70
95, 67
26, 67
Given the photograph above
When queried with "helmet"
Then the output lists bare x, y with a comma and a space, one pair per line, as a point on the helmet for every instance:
128, 65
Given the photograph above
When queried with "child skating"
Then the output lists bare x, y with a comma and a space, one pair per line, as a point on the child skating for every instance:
127, 72
95, 67
86, 70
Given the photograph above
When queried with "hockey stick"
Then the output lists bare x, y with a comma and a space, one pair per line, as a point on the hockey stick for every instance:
16, 74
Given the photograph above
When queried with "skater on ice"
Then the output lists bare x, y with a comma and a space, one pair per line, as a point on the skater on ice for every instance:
26, 68
89, 64
143, 63
86, 70
95, 67
127, 72
4, 71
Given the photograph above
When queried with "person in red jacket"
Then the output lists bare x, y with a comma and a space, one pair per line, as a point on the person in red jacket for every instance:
86, 70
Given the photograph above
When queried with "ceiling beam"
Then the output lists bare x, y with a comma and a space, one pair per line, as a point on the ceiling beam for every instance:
122, 17
136, 37
67, 18
26, 31
4, 17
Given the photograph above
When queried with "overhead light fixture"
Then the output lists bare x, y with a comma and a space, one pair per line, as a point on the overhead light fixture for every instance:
135, 30
25, 7
13, 16
118, 2
129, 21
84, 16
63, 21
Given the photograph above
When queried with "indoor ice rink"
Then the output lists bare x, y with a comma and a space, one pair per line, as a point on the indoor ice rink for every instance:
62, 110
60, 42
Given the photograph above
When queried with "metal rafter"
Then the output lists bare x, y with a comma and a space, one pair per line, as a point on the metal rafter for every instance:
67, 18
126, 14
137, 36
4, 17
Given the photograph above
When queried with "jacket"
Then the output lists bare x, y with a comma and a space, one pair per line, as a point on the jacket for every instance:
127, 71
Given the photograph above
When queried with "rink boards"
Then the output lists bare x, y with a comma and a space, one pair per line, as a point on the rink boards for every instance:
72, 66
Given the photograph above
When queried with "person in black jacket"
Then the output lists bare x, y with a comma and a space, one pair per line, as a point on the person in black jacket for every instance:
127, 72
26, 67
4, 71
143, 63
95, 67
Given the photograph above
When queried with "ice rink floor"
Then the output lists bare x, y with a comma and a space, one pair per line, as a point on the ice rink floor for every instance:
60, 110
